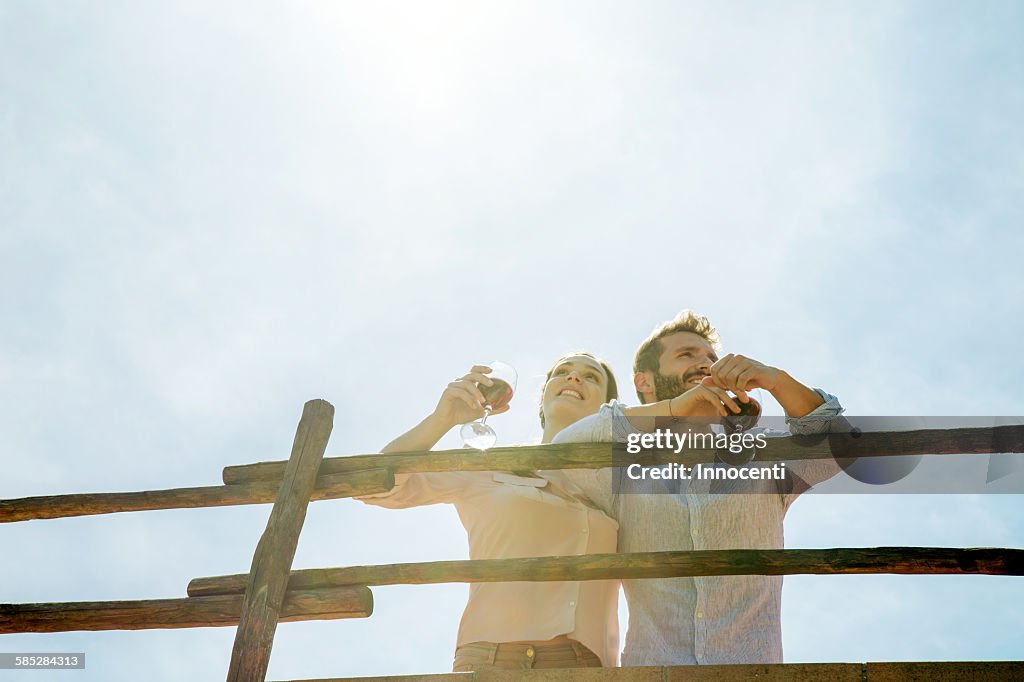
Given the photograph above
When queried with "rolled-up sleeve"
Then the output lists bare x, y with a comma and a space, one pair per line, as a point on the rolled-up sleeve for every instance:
810, 472
819, 419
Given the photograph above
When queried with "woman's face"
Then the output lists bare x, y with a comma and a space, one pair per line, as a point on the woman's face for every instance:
576, 389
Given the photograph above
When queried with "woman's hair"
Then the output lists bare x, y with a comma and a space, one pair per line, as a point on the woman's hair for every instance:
610, 394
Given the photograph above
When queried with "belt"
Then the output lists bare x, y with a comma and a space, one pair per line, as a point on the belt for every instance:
561, 652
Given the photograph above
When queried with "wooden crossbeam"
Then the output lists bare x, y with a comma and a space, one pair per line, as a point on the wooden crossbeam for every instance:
367, 474
953, 671
331, 486
272, 561
997, 439
196, 612
894, 560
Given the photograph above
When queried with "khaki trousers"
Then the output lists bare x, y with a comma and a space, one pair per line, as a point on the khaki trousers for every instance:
560, 652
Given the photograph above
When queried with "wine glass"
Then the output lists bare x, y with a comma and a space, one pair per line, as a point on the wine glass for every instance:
478, 434
749, 414
746, 419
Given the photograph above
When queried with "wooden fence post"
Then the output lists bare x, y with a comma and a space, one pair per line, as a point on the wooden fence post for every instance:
272, 561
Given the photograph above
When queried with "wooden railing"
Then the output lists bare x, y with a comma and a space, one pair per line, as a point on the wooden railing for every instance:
271, 592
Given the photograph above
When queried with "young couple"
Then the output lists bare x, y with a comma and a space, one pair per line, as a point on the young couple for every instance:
676, 621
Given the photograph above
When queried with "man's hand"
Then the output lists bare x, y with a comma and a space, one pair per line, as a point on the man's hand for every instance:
739, 374
705, 400
462, 401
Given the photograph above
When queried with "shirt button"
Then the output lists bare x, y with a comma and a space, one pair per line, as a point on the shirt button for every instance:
695, 531
530, 653
572, 603
700, 614
585, 530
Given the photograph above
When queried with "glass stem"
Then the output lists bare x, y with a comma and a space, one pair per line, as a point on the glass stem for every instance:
487, 413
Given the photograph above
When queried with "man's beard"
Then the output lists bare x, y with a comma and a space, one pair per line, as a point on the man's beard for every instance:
667, 387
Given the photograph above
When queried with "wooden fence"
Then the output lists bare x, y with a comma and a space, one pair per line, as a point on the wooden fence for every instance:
271, 592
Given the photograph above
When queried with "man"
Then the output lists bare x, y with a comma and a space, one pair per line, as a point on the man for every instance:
704, 620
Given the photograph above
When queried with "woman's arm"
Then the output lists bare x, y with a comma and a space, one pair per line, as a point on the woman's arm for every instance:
423, 436
460, 402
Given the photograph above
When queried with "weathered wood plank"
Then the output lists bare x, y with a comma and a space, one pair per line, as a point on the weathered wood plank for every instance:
572, 456
962, 671
895, 560
954, 671
596, 455
434, 677
328, 487
576, 675
272, 561
771, 672
201, 612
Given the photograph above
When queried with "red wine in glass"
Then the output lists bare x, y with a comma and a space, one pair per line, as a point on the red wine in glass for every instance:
746, 418
498, 395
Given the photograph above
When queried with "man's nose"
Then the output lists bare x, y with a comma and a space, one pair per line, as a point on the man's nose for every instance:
575, 376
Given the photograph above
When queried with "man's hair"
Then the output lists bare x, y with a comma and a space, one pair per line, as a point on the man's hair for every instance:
648, 355
611, 392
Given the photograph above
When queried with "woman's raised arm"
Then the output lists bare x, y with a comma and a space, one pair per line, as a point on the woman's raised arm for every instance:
460, 402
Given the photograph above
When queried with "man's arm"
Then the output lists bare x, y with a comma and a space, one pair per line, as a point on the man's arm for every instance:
740, 374
796, 399
806, 473
818, 420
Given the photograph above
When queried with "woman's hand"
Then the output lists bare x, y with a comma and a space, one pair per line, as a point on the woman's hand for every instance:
462, 401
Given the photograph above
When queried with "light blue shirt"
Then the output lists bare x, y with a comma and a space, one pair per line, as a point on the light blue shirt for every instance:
702, 620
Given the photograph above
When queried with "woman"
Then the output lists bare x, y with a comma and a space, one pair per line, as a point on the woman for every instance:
522, 625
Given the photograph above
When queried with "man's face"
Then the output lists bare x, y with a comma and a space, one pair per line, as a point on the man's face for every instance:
686, 358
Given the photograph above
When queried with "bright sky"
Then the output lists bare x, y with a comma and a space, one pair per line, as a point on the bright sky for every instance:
211, 214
